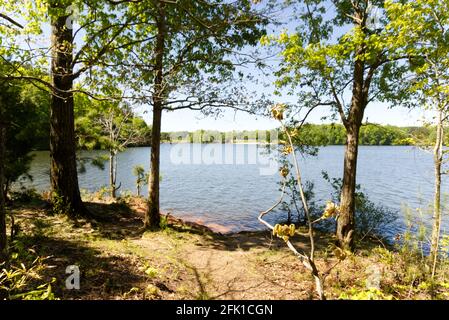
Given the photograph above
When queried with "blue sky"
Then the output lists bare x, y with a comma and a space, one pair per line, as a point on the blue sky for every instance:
189, 121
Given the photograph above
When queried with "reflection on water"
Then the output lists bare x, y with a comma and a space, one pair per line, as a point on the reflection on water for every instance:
229, 195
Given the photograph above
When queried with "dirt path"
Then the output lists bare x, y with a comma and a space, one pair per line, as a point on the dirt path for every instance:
225, 271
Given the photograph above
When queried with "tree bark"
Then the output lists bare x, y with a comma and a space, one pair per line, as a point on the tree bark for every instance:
438, 160
64, 178
6, 185
3, 237
112, 174
152, 216
346, 219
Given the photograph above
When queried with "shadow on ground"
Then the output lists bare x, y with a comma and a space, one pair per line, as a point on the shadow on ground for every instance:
103, 274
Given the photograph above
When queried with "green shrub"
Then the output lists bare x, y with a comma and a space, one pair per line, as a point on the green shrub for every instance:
370, 218
60, 205
25, 195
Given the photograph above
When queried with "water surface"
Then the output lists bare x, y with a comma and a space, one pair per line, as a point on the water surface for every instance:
226, 186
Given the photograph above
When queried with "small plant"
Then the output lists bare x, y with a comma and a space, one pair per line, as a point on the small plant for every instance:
60, 205
102, 193
444, 244
151, 272
369, 294
411, 264
133, 291
125, 196
152, 291
21, 282
141, 178
164, 222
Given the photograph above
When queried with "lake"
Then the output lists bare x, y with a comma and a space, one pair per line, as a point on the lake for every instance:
226, 186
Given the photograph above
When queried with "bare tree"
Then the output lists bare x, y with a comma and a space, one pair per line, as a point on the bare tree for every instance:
117, 125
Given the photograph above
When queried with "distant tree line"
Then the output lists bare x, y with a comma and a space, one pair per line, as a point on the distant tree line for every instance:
214, 136
314, 135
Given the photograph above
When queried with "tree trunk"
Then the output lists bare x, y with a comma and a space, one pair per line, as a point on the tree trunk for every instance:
64, 178
346, 219
112, 174
3, 237
152, 216
353, 122
438, 159
6, 185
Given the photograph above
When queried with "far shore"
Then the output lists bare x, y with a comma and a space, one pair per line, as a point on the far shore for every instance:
235, 142
246, 143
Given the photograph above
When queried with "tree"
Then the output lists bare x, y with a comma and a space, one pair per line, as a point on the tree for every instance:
423, 27
186, 53
3, 125
26, 112
63, 172
327, 63
3, 237
109, 125
100, 26
19, 121
141, 178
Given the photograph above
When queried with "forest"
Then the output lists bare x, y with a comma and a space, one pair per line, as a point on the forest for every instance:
100, 201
